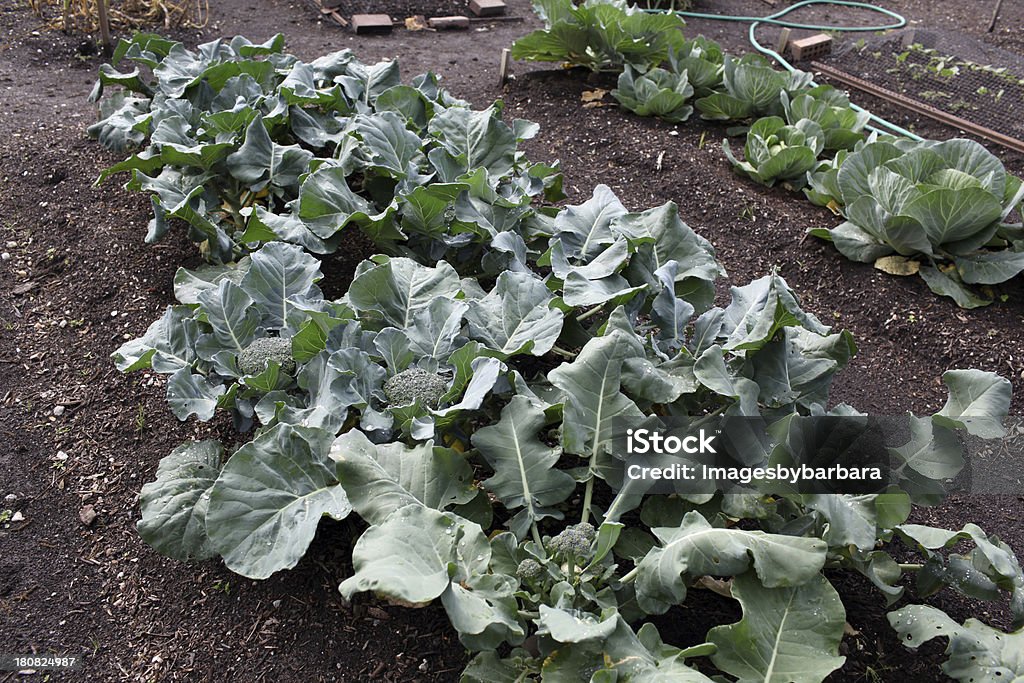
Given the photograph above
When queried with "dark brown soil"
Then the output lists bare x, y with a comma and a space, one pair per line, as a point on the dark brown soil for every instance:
398, 10
80, 281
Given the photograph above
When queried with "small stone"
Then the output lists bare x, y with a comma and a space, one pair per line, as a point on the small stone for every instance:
58, 411
12, 245
61, 455
17, 517
487, 8
10, 500
87, 514
276, 604
5, 256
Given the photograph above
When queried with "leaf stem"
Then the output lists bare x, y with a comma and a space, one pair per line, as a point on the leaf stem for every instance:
710, 416
588, 494
911, 567
586, 314
536, 535
563, 353
631, 575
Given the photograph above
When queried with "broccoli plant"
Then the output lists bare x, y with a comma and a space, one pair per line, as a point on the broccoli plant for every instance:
415, 385
257, 356
247, 144
468, 395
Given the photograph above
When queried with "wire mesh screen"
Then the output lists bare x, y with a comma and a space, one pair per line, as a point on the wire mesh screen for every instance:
986, 94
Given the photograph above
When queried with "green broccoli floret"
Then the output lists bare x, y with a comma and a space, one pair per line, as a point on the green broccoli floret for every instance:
529, 570
574, 541
254, 358
415, 384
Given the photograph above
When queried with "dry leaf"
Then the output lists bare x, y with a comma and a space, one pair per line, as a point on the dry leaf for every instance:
898, 265
833, 206
416, 23
723, 588
593, 95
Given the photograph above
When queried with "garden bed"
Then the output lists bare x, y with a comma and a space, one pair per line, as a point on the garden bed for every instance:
80, 281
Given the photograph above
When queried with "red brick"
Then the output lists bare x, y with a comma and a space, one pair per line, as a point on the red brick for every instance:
810, 48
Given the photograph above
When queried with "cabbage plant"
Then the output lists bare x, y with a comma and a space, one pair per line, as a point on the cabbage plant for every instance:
703, 61
777, 152
601, 35
751, 88
946, 204
655, 92
830, 108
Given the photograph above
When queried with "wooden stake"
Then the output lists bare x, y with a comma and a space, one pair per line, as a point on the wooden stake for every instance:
101, 13
995, 15
780, 44
506, 65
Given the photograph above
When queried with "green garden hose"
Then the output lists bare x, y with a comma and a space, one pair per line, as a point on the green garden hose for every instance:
776, 19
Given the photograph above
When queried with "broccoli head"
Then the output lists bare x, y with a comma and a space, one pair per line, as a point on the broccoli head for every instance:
254, 358
415, 384
529, 570
573, 541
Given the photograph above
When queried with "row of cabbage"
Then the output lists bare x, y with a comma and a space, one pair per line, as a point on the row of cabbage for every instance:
943, 209
463, 396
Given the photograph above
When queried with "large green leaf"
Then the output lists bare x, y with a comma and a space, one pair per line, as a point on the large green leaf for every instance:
573, 626
436, 329
852, 519
515, 317
954, 215
190, 393
381, 478
759, 310
695, 549
524, 467
167, 346
475, 139
978, 402
280, 276
787, 635
174, 505
949, 284
327, 204
990, 267
593, 401
270, 497
390, 144
485, 611
260, 161
228, 310
666, 238
585, 229
977, 652
416, 554
932, 450
396, 288
333, 383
